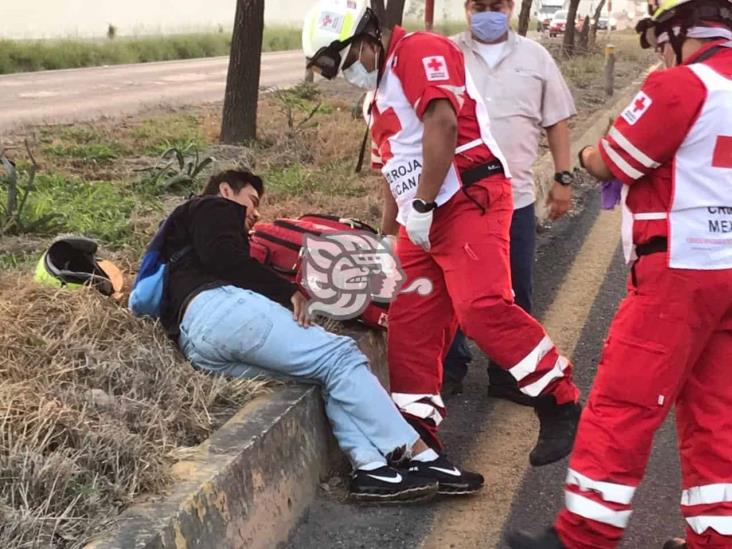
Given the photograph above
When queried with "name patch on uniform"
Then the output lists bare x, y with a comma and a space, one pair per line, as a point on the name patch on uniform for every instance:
435, 68
637, 108
332, 22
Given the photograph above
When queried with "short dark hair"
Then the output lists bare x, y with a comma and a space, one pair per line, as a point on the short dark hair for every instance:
237, 180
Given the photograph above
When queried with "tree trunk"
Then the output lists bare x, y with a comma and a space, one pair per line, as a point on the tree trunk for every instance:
585, 35
394, 13
389, 14
569, 29
239, 122
524, 17
593, 30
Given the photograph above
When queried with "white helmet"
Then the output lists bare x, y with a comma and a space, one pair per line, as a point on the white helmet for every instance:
330, 27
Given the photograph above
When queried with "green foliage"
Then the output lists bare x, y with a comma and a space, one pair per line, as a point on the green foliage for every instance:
98, 209
177, 170
300, 98
179, 131
16, 213
36, 55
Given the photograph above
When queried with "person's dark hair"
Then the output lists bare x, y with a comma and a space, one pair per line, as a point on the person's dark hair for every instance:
237, 180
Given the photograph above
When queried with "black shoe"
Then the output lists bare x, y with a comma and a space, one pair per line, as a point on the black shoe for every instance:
452, 481
546, 540
675, 543
386, 484
557, 429
501, 384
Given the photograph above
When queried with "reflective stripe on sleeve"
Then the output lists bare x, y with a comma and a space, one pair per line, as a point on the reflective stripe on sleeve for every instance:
620, 162
709, 493
638, 155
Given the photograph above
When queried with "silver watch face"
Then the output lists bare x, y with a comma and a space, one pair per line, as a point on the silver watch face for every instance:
565, 178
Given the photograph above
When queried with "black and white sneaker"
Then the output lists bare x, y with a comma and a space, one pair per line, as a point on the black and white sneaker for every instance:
387, 484
451, 480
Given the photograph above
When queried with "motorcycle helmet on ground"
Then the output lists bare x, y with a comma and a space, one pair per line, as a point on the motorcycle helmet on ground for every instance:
71, 262
674, 21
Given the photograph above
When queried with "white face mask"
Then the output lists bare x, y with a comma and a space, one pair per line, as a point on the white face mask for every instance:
357, 74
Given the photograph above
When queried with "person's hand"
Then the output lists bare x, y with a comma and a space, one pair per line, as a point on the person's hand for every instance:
300, 309
418, 228
558, 200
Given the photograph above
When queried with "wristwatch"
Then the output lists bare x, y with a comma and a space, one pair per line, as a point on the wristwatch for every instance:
422, 206
564, 178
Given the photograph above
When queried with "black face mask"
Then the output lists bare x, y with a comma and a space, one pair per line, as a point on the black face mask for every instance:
328, 59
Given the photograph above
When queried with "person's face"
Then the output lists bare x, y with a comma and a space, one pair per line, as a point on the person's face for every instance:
247, 197
478, 6
362, 50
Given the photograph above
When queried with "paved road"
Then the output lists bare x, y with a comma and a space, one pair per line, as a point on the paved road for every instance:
82, 94
580, 280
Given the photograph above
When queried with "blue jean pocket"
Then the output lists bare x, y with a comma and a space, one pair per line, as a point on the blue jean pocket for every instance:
234, 331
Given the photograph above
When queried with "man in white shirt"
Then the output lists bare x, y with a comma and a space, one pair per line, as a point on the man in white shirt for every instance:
525, 93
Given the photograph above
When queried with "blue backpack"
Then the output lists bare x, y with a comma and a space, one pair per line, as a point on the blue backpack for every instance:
147, 291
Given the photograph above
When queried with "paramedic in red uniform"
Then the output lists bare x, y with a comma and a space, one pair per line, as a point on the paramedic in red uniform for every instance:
450, 204
671, 341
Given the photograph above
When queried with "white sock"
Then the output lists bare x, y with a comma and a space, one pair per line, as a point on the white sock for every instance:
371, 466
426, 455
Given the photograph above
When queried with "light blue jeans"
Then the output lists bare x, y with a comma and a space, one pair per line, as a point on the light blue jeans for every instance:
240, 333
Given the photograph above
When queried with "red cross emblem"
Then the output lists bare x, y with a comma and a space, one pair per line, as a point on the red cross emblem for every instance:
327, 21
639, 104
434, 64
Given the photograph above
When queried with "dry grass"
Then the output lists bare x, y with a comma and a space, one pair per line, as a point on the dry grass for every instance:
94, 404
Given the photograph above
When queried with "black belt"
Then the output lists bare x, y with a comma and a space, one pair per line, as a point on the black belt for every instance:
655, 245
473, 175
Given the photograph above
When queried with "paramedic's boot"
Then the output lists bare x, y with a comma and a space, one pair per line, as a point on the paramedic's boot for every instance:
546, 540
675, 543
557, 429
501, 384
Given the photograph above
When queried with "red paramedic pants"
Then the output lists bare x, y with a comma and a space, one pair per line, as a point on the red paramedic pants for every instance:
670, 343
468, 265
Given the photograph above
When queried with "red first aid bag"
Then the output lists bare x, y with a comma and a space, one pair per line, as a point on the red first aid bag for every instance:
279, 246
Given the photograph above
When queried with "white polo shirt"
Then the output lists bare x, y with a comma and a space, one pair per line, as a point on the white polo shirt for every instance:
524, 92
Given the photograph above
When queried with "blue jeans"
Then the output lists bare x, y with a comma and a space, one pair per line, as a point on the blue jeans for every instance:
523, 250
239, 333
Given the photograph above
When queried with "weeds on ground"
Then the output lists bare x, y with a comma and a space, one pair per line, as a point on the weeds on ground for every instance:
177, 170
94, 404
16, 211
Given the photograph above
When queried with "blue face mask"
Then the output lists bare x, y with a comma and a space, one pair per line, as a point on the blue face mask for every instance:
488, 26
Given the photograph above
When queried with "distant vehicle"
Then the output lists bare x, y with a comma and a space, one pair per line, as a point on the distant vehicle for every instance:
558, 24
545, 15
604, 22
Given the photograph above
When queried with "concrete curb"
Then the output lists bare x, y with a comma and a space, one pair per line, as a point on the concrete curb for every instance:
250, 483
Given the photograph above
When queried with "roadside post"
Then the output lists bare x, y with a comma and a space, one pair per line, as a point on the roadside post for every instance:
609, 70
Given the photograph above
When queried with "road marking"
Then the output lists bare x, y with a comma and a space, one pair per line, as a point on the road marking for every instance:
502, 454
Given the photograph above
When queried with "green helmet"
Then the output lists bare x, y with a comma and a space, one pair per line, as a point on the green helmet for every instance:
71, 262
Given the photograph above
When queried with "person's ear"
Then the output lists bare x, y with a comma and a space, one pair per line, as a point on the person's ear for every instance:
225, 190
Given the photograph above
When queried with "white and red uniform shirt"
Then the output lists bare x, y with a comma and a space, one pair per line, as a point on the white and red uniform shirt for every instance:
672, 147
419, 68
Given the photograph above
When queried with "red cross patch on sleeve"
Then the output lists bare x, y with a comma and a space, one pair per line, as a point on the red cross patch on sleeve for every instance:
435, 68
637, 108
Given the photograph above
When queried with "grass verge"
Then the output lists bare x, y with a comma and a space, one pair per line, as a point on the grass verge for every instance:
37, 55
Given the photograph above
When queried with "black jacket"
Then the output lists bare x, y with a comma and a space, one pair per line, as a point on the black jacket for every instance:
215, 229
